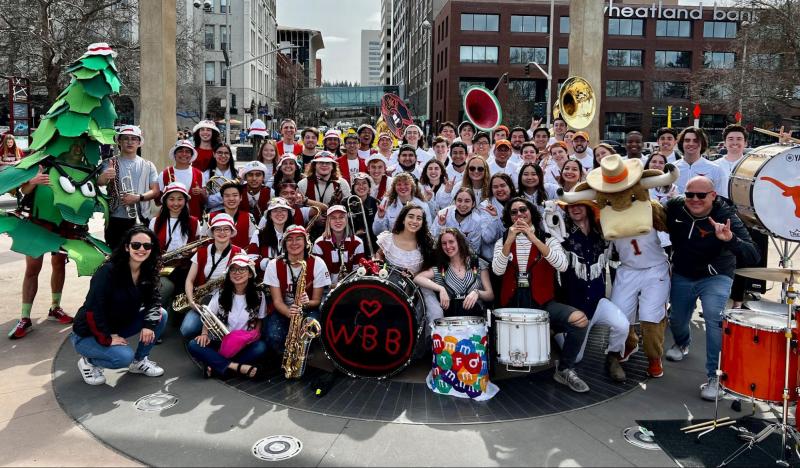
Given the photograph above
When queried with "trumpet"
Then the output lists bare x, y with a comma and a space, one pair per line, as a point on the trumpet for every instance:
215, 326
355, 206
121, 186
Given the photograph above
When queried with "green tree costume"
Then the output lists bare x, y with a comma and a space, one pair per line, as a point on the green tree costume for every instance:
67, 145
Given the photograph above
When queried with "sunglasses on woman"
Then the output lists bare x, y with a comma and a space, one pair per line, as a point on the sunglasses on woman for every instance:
476, 169
519, 211
139, 245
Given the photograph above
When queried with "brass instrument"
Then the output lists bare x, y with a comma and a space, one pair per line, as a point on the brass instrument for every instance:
302, 330
482, 108
355, 206
181, 302
576, 103
172, 259
216, 182
121, 186
216, 328
336, 198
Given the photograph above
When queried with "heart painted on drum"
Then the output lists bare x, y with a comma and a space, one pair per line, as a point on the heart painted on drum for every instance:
370, 308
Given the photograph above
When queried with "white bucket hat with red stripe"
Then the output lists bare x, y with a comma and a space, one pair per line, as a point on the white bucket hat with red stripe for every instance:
280, 202
100, 48
222, 220
250, 167
257, 128
132, 130
377, 157
205, 124
295, 229
242, 260
332, 134
183, 144
324, 156
287, 157
334, 209
175, 187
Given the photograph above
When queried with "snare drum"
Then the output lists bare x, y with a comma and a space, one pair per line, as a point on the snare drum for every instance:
764, 187
460, 359
754, 355
522, 337
370, 324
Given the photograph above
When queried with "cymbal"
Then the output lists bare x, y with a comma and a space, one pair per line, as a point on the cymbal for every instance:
781, 275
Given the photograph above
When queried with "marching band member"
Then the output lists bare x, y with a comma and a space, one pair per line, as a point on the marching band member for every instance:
380, 181
601, 150
465, 133
366, 137
409, 244
338, 247
552, 162
572, 173
288, 170
407, 161
231, 205
287, 143
447, 130
362, 188
385, 142
241, 307
436, 187
582, 153
404, 191
207, 139
517, 137
122, 301
309, 137
633, 145
332, 142
209, 263
268, 156
476, 178
257, 195
693, 143
464, 216
282, 276
533, 187
459, 277
540, 139
527, 266
500, 163
493, 207
351, 163
267, 242
220, 166
304, 209
666, 138
175, 227
529, 153
440, 151
457, 168
482, 146
323, 181
412, 136
184, 154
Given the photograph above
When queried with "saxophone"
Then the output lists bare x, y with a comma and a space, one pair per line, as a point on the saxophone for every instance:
172, 259
181, 303
301, 331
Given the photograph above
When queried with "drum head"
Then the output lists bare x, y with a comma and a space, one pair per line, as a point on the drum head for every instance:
756, 319
369, 327
776, 193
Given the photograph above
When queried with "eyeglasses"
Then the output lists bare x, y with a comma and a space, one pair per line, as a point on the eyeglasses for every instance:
476, 169
698, 195
222, 229
238, 269
519, 211
226, 153
139, 245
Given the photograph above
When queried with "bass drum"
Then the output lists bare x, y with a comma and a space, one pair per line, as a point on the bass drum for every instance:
765, 187
370, 325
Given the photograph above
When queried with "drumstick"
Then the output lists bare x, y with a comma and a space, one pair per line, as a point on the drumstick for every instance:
706, 423
718, 424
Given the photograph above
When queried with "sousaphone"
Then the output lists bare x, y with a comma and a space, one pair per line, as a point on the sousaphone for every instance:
576, 103
482, 108
395, 115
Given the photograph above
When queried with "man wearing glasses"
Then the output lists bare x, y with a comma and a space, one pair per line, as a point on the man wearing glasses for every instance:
707, 238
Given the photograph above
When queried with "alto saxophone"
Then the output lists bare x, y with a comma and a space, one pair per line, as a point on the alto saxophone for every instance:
302, 330
181, 303
173, 258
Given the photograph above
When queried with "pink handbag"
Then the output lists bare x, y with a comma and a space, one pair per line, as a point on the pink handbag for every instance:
236, 340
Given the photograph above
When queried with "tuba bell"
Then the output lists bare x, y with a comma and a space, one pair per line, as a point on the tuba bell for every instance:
576, 103
482, 108
216, 182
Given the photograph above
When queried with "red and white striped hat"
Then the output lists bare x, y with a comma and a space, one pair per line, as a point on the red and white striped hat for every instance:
295, 229
280, 202
100, 48
129, 130
175, 187
205, 124
257, 128
332, 134
242, 260
324, 156
222, 220
286, 157
183, 144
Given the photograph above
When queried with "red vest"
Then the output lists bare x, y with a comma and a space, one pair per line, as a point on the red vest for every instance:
202, 259
263, 201
382, 187
344, 167
541, 276
350, 246
196, 203
283, 280
242, 221
281, 150
161, 233
298, 216
203, 160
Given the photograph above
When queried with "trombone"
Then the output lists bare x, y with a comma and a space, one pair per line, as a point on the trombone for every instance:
355, 206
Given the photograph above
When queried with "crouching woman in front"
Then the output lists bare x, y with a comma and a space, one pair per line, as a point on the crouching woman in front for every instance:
123, 301
241, 308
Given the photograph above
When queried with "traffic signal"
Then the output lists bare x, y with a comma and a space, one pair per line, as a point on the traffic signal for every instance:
527, 68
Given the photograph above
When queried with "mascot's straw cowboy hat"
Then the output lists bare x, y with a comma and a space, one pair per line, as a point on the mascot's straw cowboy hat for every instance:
615, 174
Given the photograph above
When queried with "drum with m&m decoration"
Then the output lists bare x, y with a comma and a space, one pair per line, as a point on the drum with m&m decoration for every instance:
460, 364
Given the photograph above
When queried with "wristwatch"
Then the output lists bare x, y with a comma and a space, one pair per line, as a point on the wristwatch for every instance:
141, 197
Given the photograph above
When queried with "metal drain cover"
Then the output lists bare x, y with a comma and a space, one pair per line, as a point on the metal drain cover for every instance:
156, 402
640, 437
277, 448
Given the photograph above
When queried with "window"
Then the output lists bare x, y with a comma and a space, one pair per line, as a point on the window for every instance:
223, 78
619, 123
721, 60
615, 88
719, 29
563, 56
624, 58
670, 89
524, 55
223, 38
209, 37
667, 28
472, 22
625, 27
223, 6
478, 54
210, 73
563, 25
529, 23
673, 59
522, 89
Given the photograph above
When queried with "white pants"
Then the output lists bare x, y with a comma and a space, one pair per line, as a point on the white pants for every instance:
606, 314
645, 290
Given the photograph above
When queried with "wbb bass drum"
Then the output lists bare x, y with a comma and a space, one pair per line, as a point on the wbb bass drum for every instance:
371, 325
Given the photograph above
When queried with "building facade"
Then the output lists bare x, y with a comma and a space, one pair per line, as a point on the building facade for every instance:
309, 42
386, 41
370, 57
650, 53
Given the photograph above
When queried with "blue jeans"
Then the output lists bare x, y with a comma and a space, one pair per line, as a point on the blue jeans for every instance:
209, 355
713, 293
117, 356
191, 325
277, 326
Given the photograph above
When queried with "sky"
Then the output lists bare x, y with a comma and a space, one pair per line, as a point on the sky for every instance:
340, 22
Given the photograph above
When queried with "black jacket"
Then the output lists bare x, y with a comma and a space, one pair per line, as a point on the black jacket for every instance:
697, 253
114, 304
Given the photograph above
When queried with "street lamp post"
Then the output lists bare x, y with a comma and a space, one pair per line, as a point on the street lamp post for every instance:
203, 7
549, 63
428, 27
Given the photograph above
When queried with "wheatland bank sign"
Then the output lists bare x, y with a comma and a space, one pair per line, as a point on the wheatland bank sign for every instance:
659, 11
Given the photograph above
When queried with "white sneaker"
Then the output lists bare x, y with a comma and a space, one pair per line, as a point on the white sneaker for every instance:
710, 391
677, 353
91, 374
146, 367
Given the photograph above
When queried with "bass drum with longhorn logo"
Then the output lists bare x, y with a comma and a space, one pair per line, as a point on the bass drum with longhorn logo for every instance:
371, 325
765, 187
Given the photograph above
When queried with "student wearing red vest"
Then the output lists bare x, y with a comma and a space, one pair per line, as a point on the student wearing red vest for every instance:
256, 194
209, 263
207, 138
287, 143
231, 200
350, 163
323, 182
184, 154
338, 247
174, 227
282, 275
267, 243
304, 209
376, 168
527, 267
